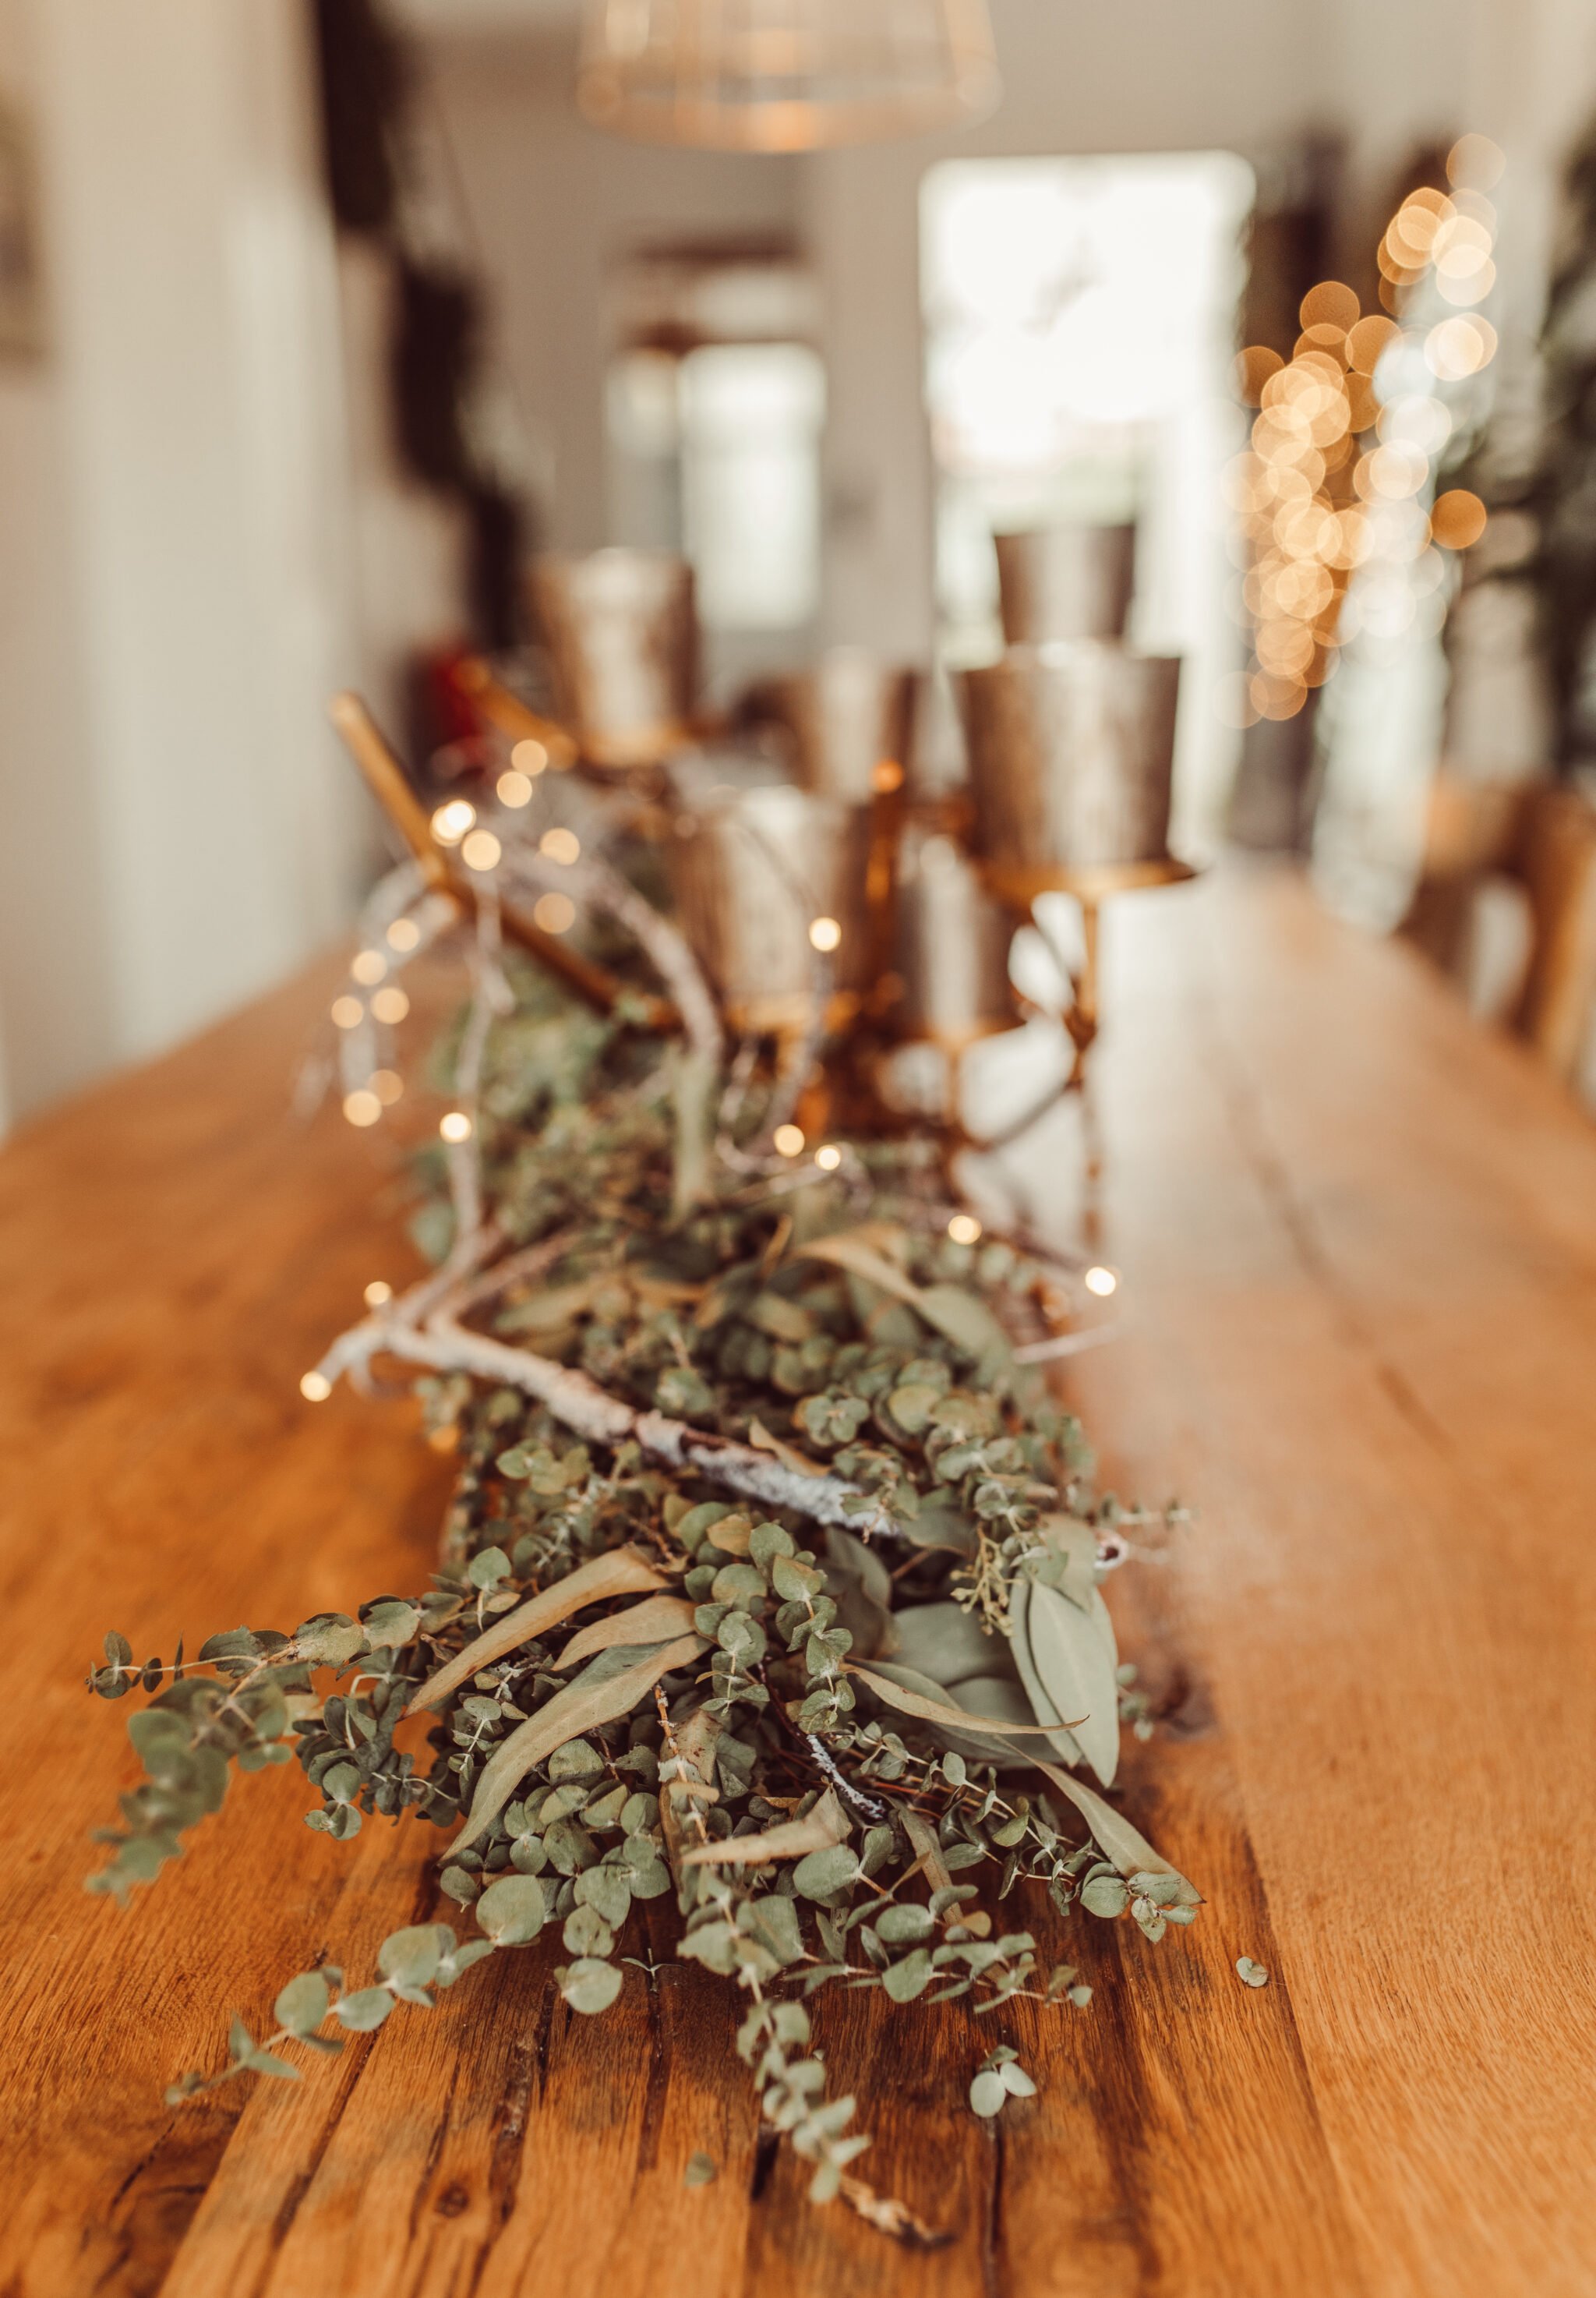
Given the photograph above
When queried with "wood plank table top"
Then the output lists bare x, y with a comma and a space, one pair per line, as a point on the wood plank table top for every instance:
1359, 1242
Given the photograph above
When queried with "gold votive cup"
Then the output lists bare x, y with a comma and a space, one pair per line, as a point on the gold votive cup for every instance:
1072, 751
762, 871
621, 633
1066, 581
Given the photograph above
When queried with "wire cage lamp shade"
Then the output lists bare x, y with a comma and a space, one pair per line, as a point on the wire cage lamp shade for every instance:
784, 75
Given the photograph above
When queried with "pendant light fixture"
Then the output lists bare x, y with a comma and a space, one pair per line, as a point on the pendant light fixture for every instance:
784, 75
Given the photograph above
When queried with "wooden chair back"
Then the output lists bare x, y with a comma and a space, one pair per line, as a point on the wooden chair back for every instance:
1543, 837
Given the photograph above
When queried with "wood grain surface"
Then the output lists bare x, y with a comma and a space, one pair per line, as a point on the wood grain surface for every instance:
1358, 1240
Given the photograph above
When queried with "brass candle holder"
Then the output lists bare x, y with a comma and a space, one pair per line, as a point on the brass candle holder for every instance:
772, 881
1071, 751
622, 634
1066, 581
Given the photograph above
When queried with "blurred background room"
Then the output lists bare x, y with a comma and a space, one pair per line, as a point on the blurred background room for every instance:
321, 320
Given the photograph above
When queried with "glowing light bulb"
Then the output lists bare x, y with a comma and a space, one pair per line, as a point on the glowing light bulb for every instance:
481, 851
455, 1125
560, 845
1101, 1281
554, 913
348, 1013
391, 1005
377, 1293
825, 934
964, 1229
404, 934
513, 787
451, 822
886, 775
829, 1157
527, 759
362, 1107
314, 1387
788, 1141
387, 1085
369, 966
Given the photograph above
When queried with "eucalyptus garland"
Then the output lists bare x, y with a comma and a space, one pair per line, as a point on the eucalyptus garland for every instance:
770, 1583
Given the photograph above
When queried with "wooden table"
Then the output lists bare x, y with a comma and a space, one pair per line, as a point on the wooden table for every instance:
1360, 1246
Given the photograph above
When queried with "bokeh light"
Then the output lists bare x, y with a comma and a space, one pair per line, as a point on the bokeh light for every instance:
554, 913
1344, 445
1474, 161
1458, 518
450, 822
1330, 304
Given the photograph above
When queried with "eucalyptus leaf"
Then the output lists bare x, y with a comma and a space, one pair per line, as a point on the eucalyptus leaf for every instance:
1112, 1832
366, 2008
303, 2003
1042, 1707
589, 1985
1075, 1665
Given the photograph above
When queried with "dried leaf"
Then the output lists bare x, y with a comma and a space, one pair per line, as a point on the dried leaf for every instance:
859, 1251
680, 1797
1074, 1657
1114, 1836
948, 1309
651, 1622
933, 1710
581, 1707
619, 1571
927, 1850
827, 1824
760, 1438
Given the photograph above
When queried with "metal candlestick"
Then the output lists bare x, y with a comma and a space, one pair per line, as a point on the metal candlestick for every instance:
1072, 750
622, 639
763, 872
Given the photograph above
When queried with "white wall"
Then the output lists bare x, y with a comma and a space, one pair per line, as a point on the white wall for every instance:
181, 533
197, 347
55, 994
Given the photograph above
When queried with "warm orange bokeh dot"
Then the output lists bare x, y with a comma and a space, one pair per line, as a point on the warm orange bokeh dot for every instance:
1330, 304
1368, 340
1458, 518
1254, 367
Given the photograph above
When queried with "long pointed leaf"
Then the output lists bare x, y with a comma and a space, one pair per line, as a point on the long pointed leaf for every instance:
619, 1571
1075, 1660
581, 1707
793, 1838
942, 1709
1114, 1836
1064, 1742
650, 1621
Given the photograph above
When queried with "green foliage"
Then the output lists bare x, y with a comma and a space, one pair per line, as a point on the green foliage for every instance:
998, 2079
830, 1324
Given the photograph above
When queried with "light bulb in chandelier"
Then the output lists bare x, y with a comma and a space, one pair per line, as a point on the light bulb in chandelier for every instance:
784, 75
